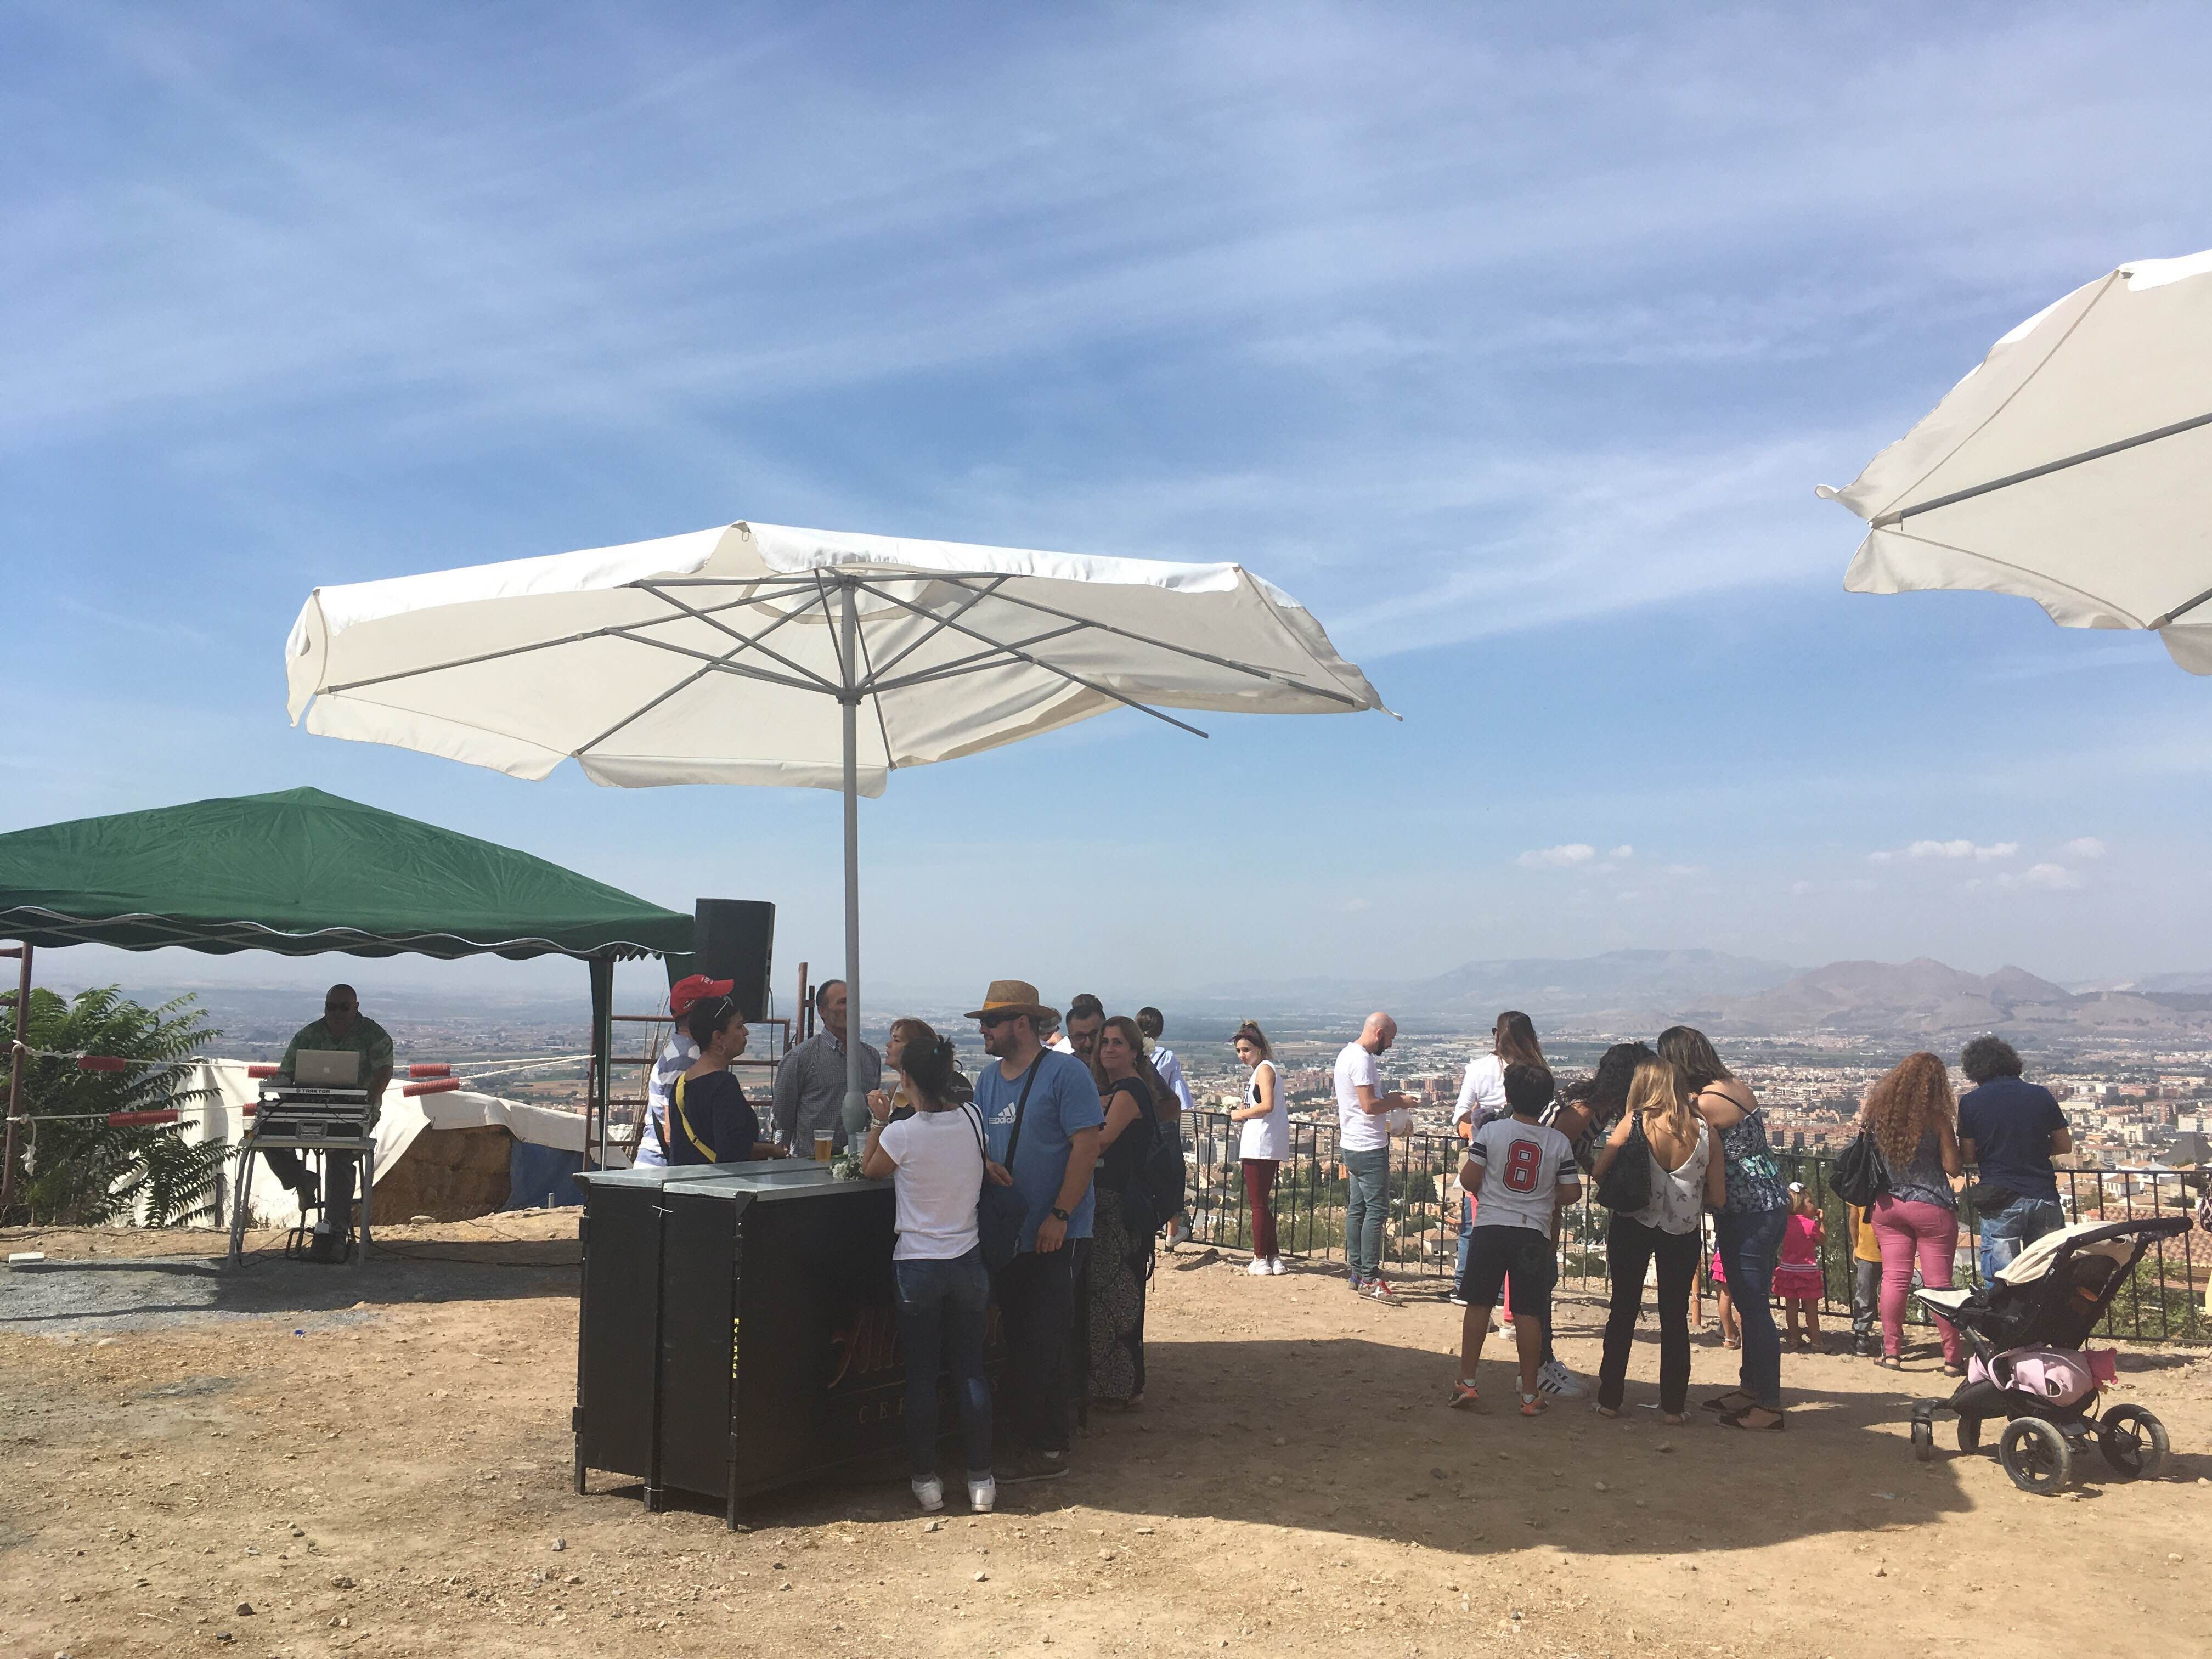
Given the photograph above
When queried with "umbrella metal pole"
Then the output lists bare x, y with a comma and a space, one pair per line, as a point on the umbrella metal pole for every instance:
856, 1099
15, 1078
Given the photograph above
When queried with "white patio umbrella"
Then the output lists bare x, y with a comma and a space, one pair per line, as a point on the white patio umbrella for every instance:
757, 654
2073, 467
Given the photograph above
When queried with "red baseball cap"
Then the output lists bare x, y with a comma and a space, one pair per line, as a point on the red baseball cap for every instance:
697, 988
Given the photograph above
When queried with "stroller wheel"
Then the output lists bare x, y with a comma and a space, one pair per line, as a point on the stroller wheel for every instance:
1924, 1439
1970, 1434
2133, 1441
2035, 1455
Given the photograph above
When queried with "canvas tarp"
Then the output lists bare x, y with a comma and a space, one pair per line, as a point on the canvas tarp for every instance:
546, 1141
300, 873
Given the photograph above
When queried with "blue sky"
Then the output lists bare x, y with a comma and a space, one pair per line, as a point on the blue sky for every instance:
1512, 345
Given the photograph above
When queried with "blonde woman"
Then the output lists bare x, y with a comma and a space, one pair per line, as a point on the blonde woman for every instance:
1688, 1174
1263, 1144
1912, 1115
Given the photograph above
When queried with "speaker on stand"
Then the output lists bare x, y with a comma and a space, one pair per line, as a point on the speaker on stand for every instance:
735, 940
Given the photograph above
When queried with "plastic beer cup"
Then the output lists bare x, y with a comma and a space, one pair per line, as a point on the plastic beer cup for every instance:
825, 1141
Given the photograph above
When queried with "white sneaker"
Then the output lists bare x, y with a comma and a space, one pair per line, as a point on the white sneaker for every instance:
1553, 1378
1457, 1300
1259, 1269
982, 1495
1275, 1265
930, 1494
1178, 1233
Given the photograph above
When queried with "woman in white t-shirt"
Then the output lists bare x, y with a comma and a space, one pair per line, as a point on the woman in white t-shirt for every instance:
936, 1163
1264, 1143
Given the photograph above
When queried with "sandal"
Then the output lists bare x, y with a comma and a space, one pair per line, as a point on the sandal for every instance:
1889, 1362
1746, 1400
1607, 1411
1731, 1342
1673, 1420
1735, 1421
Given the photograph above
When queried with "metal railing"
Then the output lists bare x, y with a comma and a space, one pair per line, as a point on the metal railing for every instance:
2164, 1301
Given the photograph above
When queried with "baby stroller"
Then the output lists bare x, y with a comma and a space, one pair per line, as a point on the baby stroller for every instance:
2027, 1332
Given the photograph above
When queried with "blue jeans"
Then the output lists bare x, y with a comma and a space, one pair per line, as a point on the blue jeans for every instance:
1365, 1205
2007, 1232
941, 1312
1466, 1234
1750, 1244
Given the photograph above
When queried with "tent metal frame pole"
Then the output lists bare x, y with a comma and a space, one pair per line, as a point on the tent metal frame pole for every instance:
602, 970
15, 1078
848, 625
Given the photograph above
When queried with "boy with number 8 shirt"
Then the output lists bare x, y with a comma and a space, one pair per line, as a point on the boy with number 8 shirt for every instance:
1520, 1172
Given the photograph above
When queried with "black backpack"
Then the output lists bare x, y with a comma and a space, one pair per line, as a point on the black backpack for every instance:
1860, 1174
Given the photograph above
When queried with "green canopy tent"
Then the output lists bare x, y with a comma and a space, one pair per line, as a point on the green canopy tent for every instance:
300, 872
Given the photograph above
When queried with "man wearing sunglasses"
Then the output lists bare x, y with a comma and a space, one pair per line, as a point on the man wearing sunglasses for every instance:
341, 1030
1056, 1104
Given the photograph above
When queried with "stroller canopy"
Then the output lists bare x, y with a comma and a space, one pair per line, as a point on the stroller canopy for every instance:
2040, 1258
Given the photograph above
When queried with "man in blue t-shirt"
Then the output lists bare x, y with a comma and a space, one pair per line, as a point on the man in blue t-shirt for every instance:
1051, 1164
2012, 1129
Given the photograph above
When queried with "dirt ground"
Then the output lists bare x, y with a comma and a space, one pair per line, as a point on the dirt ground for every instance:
377, 1464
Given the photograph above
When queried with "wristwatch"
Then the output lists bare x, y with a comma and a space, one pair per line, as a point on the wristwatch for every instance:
1059, 1215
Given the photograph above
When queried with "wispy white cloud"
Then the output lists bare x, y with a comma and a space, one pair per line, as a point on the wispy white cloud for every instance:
2084, 847
1557, 858
1921, 851
2049, 878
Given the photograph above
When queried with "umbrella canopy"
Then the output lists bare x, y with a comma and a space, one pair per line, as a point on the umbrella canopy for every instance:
723, 656
2072, 467
300, 873
758, 653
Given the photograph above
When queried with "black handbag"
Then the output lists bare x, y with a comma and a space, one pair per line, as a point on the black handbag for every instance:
1627, 1183
1860, 1174
1000, 1210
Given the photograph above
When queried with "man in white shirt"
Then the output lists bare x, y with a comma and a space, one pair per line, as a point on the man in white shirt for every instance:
1519, 1170
1153, 1024
1363, 1141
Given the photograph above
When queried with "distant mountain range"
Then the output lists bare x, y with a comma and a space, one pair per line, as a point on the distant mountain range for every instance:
1743, 996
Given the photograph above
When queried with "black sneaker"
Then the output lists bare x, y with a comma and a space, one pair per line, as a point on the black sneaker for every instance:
1034, 1466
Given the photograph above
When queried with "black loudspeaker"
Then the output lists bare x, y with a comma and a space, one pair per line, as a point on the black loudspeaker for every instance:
736, 941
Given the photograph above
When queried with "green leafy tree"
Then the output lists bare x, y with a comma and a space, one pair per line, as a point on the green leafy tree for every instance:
77, 1169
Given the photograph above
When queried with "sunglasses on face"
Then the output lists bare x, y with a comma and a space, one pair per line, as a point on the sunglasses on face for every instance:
993, 1022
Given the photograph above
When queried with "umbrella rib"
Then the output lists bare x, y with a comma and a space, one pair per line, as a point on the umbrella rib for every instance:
722, 665
975, 663
744, 640
1268, 674
975, 598
1891, 519
2006, 564
1038, 662
2183, 609
2027, 380
610, 630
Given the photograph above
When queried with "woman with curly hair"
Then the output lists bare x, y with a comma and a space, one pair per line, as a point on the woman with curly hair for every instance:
1914, 1121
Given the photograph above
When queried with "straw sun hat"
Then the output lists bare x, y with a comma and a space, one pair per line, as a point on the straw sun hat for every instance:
1009, 996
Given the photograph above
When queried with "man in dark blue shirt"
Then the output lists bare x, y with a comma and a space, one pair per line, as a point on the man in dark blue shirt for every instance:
2012, 1129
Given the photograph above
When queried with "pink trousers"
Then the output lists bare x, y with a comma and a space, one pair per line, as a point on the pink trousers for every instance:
1905, 1230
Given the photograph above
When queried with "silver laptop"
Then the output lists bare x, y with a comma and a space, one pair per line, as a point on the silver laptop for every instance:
326, 1068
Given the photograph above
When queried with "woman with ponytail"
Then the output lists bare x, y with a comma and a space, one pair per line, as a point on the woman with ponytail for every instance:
935, 1161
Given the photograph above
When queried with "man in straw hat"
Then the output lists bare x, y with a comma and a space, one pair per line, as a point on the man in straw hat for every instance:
1056, 1104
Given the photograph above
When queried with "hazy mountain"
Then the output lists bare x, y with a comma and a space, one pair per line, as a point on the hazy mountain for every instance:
1618, 989
2197, 983
1926, 1000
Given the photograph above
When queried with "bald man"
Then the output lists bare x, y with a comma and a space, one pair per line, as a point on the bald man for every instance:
1363, 1139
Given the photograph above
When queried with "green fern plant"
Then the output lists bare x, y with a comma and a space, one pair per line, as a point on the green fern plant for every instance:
77, 1169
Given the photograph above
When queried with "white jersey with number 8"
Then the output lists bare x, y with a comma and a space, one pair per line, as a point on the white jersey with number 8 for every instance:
1521, 1164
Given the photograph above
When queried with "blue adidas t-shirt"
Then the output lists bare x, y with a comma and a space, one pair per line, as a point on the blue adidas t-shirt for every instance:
1063, 1102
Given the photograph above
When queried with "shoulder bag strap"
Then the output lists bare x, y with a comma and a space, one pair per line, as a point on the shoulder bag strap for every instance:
683, 1120
1021, 1109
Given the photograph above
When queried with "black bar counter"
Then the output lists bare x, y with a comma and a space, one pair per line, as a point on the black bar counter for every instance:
738, 1330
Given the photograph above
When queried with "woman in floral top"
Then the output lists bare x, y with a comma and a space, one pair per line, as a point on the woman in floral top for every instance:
1750, 1225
